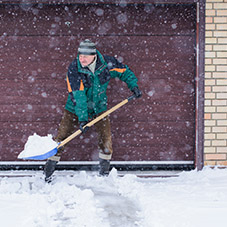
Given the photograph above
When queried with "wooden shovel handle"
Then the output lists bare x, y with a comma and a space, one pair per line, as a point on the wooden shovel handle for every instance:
89, 124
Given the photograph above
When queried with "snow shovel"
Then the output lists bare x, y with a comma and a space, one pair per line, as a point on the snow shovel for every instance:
52, 152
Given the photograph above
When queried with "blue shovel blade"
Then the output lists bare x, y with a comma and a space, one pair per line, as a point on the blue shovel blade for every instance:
43, 156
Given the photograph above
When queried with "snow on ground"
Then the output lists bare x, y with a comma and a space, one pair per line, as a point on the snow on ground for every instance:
85, 200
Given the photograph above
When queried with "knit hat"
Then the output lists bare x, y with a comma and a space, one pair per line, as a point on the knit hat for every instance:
87, 47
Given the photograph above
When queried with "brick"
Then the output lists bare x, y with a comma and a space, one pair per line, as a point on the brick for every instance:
210, 96
221, 26
210, 54
220, 47
222, 122
209, 136
222, 136
219, 75
208, 61
222, 54
218, 143
209, 6
209, 47
207, 102
209, 34
207, 143
210, 109
207, 116
211, 40
222, 109
222, 40
210, 163
215, 156
219, 102
210, 20
209, 150
207, 129
219, 61
222, 68
210, 12
219, 89
215, 1
222, 150
208, 89
221, 96
220, 6
209, 123
210, 26
221, 12
218, 20
219, 116
220, 33
222, 163
210, 68
210, 82
220, 81
208, 75
219, 129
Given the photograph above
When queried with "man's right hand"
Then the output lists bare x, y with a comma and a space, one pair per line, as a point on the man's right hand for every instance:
137, 92
82, 124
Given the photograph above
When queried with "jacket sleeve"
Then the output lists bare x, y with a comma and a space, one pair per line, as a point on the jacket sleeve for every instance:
123, 72
77, 94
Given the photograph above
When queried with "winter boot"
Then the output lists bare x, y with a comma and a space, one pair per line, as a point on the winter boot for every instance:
49, 170
104, 167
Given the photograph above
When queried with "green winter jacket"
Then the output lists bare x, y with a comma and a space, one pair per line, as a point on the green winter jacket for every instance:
87, 91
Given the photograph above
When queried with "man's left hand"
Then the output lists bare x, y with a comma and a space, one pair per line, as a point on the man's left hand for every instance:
82, 124
137, 92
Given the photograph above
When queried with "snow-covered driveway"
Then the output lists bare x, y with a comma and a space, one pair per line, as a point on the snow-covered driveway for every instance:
84, 200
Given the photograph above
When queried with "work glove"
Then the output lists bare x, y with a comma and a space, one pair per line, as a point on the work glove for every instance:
137, 92
82, 123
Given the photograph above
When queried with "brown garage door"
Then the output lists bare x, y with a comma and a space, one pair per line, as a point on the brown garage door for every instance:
38, 42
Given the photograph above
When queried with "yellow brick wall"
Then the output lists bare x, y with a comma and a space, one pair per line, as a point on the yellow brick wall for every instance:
215, 138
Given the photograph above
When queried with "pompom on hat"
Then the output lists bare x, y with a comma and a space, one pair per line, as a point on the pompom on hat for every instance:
87, 47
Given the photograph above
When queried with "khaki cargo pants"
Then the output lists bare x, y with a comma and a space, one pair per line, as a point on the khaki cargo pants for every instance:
67, 127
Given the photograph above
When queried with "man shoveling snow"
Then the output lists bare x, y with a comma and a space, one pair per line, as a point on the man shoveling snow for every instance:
87, 81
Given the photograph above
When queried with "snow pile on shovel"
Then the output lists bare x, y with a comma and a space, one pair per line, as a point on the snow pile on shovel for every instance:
37, 147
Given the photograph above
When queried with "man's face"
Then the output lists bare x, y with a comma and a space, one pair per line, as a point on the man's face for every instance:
86, 60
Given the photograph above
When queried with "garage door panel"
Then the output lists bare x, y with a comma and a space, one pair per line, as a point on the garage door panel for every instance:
112, 19
35, 92
163, 48
155, 113
158, 91
152, 97
152, 142
171, 86
175, 127
30, 70
124, 153
35, 50
166, 46
173, 70
148, 153
156, 41
40, 99
31, 113
58, 100
157, 154
21, 131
